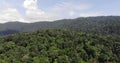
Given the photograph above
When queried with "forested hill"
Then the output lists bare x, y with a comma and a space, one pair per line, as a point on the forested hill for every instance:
7, 32
97, 25
59, 46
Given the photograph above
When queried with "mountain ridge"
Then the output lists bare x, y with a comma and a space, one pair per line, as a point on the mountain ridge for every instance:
99, 25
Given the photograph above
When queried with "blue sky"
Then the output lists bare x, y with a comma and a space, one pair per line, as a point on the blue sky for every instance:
49, 10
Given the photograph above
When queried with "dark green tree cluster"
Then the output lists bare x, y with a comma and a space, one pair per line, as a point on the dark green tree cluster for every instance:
59, 46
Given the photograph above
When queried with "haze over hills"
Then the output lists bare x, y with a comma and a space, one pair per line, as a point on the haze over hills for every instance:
99, 25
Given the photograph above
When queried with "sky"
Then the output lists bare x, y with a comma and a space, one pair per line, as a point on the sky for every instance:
30, 11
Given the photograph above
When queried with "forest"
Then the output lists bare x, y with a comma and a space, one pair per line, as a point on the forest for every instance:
102, 25
59, 46
59, 31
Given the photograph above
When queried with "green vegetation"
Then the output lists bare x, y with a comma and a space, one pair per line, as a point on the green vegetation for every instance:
59, 46
97, 25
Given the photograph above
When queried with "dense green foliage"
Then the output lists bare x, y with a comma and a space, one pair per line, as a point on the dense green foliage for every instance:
59, 46
97, 25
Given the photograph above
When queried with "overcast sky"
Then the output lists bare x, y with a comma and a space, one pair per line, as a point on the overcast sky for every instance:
49, 10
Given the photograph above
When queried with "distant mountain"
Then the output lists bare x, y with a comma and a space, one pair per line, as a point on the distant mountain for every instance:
99, 25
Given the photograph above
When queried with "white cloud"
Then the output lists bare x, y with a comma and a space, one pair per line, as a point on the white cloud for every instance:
41, 17
32, 13
32, 8
69, 9
10, 14
35, 14
30, 4
98, 13
59, 11
89, 14
72, 13
71, 6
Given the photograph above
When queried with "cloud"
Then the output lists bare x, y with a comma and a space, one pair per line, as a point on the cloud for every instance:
31, 7
71, 13
34, 14
99, 13
30, 4
10, 14
65, 6
69, 8
89, 14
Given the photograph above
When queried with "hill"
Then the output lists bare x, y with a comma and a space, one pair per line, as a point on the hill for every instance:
8, 32
59, 46
95, 25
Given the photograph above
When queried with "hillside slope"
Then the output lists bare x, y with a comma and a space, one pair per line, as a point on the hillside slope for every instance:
97, 25
59, 46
